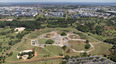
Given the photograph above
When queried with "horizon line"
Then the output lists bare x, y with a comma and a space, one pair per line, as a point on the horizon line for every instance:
57, 2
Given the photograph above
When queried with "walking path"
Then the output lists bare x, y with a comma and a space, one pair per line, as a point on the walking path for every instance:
39, 59
18, 45
82, 51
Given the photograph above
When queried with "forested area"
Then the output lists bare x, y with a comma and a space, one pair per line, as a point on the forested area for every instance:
8, 38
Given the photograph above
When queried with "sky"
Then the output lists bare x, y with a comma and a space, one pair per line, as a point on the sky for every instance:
58, 1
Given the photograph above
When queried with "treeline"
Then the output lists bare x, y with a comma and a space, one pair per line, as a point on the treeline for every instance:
111, 41
57, 22
27, 24
112, 56
48, 22
89, 27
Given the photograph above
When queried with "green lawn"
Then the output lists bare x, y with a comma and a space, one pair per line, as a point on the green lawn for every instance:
53, 61
26, 45
42, 41
78, 45
54, 49
13, 57
95, 36
101, 48
42, 31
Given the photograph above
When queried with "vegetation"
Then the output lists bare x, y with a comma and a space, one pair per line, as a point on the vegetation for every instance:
67, 57
50, 41
64, 47
87, 46
87, 41
63, 34
111, 41
105, 29
30, 54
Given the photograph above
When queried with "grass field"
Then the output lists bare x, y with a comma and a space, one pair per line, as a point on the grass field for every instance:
7, 39
101, 48
56, 50
42, 31
54, 61
95, 36
42, 41
51, 51
77, 45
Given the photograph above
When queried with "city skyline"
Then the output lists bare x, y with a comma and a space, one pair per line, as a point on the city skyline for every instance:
58, 1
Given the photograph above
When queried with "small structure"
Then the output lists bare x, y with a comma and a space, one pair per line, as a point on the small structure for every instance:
34, 42
57, 39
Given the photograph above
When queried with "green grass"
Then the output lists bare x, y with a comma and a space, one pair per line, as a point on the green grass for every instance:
95, 36
53, 61
26, 45
42, 41
73, 36
54, 49
6, 36
101, 48
42, 31
41, 52
78, 45
13, 57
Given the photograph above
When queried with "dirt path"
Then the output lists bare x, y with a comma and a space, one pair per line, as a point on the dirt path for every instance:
18, 45
39, 59
82, 51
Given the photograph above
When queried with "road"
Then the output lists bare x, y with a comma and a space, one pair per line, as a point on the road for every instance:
40, 59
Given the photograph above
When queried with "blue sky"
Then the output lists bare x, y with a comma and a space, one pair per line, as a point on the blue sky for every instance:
58, 1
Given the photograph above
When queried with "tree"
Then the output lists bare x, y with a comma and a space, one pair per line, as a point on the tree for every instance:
87, 46
60, 54
63, 34
63, 62
68, 50
10, 53
67, 57
64, 47
50, 41
84, 54
20, 57
87, 41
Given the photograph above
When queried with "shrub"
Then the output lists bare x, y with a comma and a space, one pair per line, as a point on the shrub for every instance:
50, 41
63, 34
87, 46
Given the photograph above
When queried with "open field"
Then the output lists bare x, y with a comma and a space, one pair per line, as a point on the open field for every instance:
42, 31
52, 51
7, 39
42, 41
52, 61
78, 45
56, 50
101, 48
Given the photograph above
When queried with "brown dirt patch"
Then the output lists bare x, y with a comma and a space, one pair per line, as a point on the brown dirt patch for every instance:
35, 53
